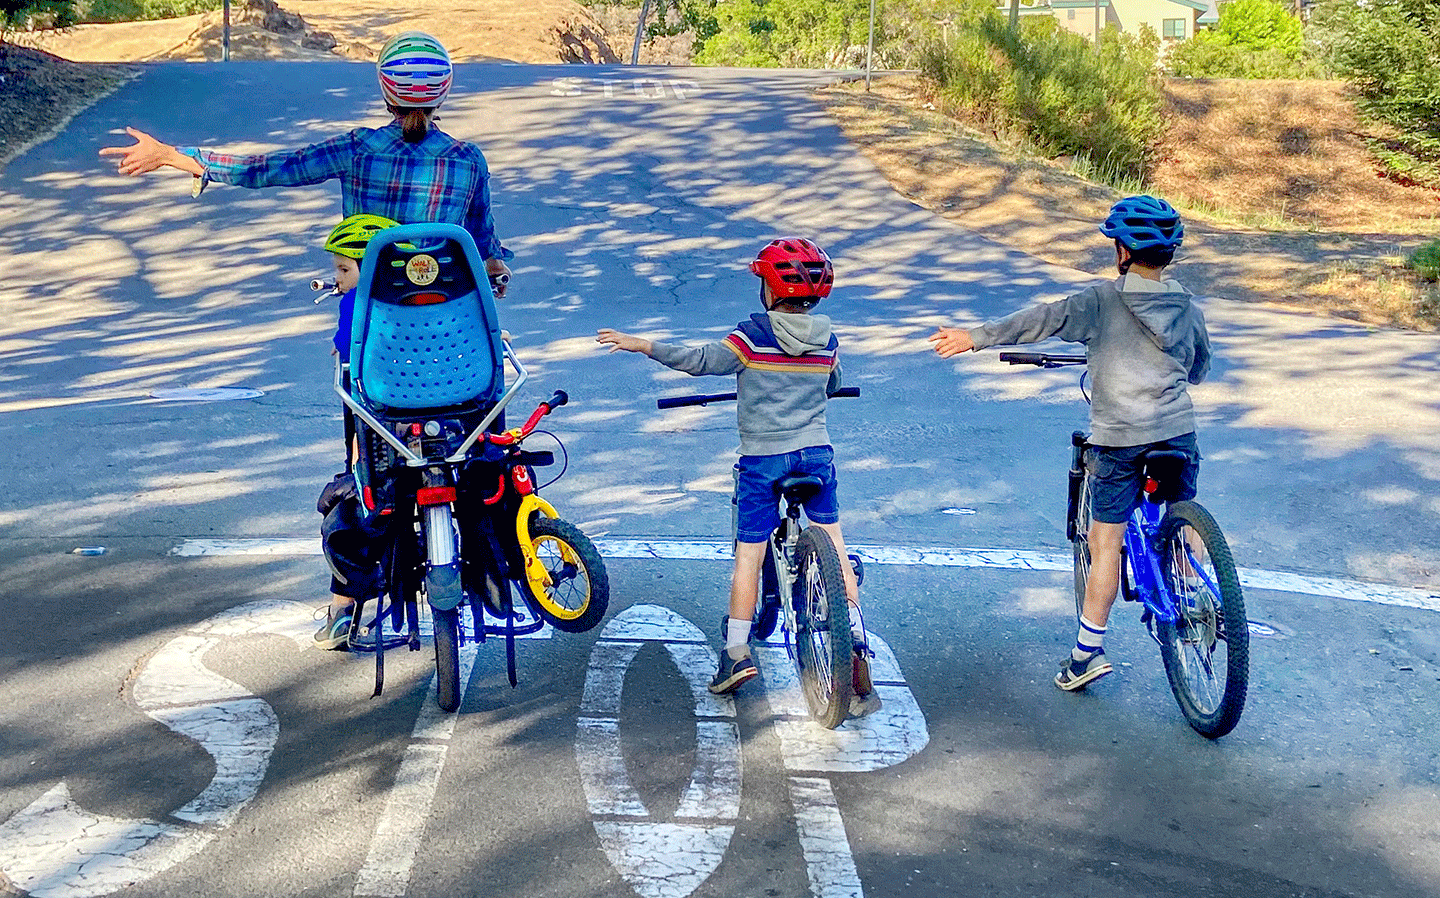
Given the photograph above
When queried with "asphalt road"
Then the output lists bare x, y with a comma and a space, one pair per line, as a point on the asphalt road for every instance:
633, 199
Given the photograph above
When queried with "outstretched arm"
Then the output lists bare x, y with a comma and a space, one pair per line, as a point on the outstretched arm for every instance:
618, 341
148, 154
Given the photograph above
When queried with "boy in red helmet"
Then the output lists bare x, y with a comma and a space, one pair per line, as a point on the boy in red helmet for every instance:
786, 364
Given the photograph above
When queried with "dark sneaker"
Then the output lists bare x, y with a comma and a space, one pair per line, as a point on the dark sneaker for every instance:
336, 629
864, 700
732, 673
1075, 675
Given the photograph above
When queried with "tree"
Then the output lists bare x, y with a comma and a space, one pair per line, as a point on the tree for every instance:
25, 13
1253, 39
1389, 50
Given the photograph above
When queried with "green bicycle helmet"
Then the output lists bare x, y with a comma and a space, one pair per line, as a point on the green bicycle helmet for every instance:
1144, 222
353, 233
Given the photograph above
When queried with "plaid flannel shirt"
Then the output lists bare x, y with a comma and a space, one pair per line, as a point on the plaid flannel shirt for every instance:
438, 179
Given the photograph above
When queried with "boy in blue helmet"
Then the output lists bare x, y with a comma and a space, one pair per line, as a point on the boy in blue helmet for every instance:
1145, 342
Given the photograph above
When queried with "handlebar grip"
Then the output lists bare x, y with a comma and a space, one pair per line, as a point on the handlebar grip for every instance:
682, 401
560, 398
1042, 359
1023, 358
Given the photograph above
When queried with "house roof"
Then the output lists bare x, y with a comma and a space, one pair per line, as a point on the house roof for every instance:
1211, 15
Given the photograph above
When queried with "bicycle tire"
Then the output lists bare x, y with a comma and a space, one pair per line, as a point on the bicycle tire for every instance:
579, 591
767, 613
823, 649
447, 657
1080, 545
1211, 608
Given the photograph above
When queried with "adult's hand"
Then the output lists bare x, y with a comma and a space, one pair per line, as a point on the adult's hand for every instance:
494, 268
950, 341
147, 154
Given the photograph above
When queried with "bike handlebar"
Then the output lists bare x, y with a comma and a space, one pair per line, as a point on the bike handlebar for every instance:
511, 437
682, 401
1042, 359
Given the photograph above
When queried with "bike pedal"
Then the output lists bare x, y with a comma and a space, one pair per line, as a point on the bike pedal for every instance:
859, 567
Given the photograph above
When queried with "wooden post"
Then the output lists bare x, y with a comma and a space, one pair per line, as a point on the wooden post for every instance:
225, 38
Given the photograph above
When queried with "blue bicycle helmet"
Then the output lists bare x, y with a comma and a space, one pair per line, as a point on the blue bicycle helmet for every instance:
1143, 222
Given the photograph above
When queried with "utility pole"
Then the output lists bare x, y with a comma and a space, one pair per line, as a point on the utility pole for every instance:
870, 49
225, 39
639, 32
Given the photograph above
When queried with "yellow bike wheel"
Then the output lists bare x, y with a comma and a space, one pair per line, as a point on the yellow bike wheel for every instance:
577, 592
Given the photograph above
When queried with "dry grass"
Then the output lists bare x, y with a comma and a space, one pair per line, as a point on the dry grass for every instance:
1283, 202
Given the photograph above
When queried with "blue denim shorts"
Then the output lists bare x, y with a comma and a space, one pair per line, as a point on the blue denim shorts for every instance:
757, 490
1117, 486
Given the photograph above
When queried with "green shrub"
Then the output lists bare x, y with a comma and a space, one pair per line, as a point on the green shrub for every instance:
1389, 50
138, 10
1253, 39
1425, 261
1054, 89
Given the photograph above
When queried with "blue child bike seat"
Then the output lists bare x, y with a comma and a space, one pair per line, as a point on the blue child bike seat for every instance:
425, 334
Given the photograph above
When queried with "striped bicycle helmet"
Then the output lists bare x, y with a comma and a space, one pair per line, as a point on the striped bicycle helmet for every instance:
795, 269
414, 71
353, 233
1143, 222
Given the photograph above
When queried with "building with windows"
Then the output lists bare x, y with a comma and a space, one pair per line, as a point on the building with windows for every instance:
1173, 20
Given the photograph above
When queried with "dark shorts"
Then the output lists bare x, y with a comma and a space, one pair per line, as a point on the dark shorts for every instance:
1117, 485
757, 490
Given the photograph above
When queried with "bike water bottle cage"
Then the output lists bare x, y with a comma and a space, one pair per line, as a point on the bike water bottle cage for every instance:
799, 489
1162, 469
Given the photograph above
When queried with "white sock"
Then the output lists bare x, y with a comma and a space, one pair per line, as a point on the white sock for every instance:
737, 633
857, 623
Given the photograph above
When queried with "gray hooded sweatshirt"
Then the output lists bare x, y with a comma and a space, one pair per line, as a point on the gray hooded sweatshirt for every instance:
786, 365
1145, 342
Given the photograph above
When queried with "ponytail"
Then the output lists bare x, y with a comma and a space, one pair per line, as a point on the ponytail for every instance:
414, 122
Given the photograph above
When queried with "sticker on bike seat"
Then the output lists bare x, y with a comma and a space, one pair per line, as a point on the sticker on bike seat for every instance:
422, 270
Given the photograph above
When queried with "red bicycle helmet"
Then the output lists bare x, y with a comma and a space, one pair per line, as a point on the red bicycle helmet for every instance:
795, 269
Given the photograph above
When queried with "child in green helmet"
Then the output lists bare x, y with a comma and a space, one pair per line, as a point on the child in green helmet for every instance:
347, 244
348, 551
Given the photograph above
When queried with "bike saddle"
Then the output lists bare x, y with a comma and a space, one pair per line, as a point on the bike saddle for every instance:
800, 488
1162, 468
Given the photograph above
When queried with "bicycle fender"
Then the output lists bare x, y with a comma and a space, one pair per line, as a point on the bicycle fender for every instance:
536, 577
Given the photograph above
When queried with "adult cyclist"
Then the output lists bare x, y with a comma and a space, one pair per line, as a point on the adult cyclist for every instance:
409, 171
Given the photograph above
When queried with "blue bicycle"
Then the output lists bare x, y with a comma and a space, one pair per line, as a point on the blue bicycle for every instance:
1176, 564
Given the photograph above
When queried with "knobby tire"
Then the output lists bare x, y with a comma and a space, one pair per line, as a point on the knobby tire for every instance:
823, 648
1207, 652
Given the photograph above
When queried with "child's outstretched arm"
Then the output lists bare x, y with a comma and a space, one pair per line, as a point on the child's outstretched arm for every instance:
951, 341
618, 341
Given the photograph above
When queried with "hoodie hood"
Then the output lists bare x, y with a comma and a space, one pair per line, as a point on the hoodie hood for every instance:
1162, 307
798, 333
